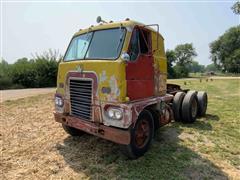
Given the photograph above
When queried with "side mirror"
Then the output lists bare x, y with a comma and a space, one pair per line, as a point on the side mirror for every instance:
125, 56
99, 19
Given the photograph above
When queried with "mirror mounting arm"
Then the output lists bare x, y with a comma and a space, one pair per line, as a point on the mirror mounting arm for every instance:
157, 31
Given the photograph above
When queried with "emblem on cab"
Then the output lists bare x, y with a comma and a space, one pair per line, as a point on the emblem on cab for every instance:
79, 68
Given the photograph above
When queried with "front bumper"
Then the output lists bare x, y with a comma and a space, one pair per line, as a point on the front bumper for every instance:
110, 133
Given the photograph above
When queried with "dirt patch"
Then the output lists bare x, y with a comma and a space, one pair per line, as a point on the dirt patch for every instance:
22, 93
187, 136
28, 141
34, 146
192, 172
225, 166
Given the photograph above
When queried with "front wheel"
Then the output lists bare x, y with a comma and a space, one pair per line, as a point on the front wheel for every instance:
141, 136
72, 131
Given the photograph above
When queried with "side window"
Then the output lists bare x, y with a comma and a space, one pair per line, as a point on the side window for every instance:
144, 42
139, 43
134, 45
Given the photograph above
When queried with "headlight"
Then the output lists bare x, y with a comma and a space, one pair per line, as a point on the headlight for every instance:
114, 113
58, 101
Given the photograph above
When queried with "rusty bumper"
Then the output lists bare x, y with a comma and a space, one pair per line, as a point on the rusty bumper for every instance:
110, 133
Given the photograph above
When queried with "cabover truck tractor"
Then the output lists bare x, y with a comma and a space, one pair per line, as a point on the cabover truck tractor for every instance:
112, 84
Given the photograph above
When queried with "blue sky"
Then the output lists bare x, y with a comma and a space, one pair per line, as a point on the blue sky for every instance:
34, 27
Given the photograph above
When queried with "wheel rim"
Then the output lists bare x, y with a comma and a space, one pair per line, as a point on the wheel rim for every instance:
142, 133
194, 108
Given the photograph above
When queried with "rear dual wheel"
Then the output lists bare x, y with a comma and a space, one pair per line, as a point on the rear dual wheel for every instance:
190, 107
202, 103
177, 105
186, 107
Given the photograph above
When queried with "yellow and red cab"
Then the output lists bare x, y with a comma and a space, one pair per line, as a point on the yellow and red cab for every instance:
112, 83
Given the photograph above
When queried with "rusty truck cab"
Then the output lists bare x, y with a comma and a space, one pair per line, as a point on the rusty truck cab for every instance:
112, 83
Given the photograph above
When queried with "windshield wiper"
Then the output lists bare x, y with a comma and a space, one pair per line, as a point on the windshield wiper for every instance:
85, 43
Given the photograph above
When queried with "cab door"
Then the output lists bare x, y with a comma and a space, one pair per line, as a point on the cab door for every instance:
140, 69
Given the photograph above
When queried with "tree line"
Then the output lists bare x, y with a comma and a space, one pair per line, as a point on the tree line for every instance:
40, 71
225, 55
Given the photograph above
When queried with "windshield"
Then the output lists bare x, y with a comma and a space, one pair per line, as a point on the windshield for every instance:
102, 44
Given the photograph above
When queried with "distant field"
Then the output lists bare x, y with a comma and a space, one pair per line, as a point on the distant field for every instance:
217, 74
33, 146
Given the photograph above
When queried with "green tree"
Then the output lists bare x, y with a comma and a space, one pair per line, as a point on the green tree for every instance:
184, 56
46, 72
195, 67
46, 66
181, 71
211, 67
236, 7
41, 71
225, 51
5, 79
171, 58
4, 67
23, 73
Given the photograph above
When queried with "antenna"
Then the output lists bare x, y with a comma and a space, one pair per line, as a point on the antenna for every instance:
99, 19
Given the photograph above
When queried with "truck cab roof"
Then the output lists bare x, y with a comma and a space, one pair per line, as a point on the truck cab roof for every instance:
109, 25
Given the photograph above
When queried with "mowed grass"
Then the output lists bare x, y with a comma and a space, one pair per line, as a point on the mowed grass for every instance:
34, 146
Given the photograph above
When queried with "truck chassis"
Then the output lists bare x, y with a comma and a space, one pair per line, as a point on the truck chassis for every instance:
147, 116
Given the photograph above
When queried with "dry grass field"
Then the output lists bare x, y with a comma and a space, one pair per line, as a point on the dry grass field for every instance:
33, 146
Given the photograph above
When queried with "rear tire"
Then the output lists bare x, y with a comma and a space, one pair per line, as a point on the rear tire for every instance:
141, 136
190, 107
202, 103
177, 105
72, 131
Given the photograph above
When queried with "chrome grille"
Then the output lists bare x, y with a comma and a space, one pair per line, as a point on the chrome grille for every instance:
81, 98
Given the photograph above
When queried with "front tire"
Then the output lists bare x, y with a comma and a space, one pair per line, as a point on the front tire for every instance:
72, 131
141, 136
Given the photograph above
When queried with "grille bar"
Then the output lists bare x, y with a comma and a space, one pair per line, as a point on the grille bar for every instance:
79, 89
83, 116
81, 98
76, 85
81, 112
